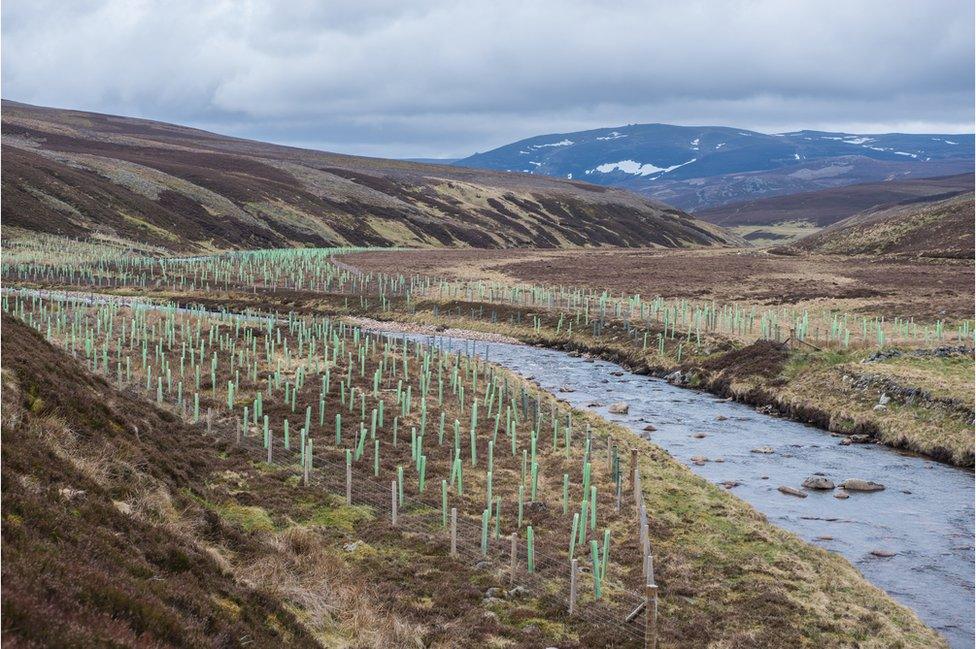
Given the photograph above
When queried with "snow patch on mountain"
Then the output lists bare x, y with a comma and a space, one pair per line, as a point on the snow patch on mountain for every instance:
636, 168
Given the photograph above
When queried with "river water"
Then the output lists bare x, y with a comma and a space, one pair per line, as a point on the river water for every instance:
925, 514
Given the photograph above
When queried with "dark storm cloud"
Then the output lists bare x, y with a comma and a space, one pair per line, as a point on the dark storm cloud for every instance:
447, 78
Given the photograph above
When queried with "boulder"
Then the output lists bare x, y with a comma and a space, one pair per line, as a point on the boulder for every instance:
883, 553
856, 484
650, 428
765, 450
618, 408
841, 495
818, 482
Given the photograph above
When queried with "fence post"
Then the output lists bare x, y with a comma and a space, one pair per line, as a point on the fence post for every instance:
573, 573
348, 484
454, 532
650, 616
393, 502
511, 572
633, 467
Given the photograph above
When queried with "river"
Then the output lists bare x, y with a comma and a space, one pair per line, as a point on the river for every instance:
924, 516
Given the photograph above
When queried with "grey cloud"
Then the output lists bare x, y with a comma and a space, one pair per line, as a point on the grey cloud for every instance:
446, 78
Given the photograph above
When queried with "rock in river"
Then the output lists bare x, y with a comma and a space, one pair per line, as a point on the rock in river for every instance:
650, 428
818, 482
791, 491
883, 553
856, 484
618, 408
766, 450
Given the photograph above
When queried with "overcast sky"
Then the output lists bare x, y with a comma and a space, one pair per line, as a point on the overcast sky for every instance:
432, 78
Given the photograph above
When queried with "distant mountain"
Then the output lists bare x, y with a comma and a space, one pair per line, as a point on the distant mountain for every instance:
698, 167
88, 175
432, 161
940, 229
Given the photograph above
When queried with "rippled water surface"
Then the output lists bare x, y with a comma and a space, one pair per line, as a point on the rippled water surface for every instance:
925, 515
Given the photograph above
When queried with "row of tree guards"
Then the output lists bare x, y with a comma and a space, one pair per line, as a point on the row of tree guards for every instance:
252, 373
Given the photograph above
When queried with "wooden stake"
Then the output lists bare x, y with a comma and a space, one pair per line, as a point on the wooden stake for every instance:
511, 571
393, 502
573, 573
650, 616
348, 484
454, 532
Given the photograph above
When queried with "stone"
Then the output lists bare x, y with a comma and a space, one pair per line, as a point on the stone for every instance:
824, 538
730, 484
699, 459
856, 484
493, 593
791, 491
883, 553
567, 388
650, 428
765, 450
860, 439
594, 404
841, 495
618, 408
122, 506
818, 482
721, 418
352, 547
518, 591
699, 435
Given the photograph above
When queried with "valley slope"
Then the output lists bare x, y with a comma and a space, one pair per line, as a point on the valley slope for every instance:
940, 229
82, 175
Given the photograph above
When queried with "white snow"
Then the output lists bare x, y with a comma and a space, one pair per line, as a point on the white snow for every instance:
720, 145
694, 143
858, 140
796, 156
912, 155
614, 135
538, 164
559, 143
950, 142
636, 168
569, 176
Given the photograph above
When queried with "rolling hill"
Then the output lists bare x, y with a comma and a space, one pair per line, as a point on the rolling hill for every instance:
697, 168
782, 217
941, 229
81, 175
